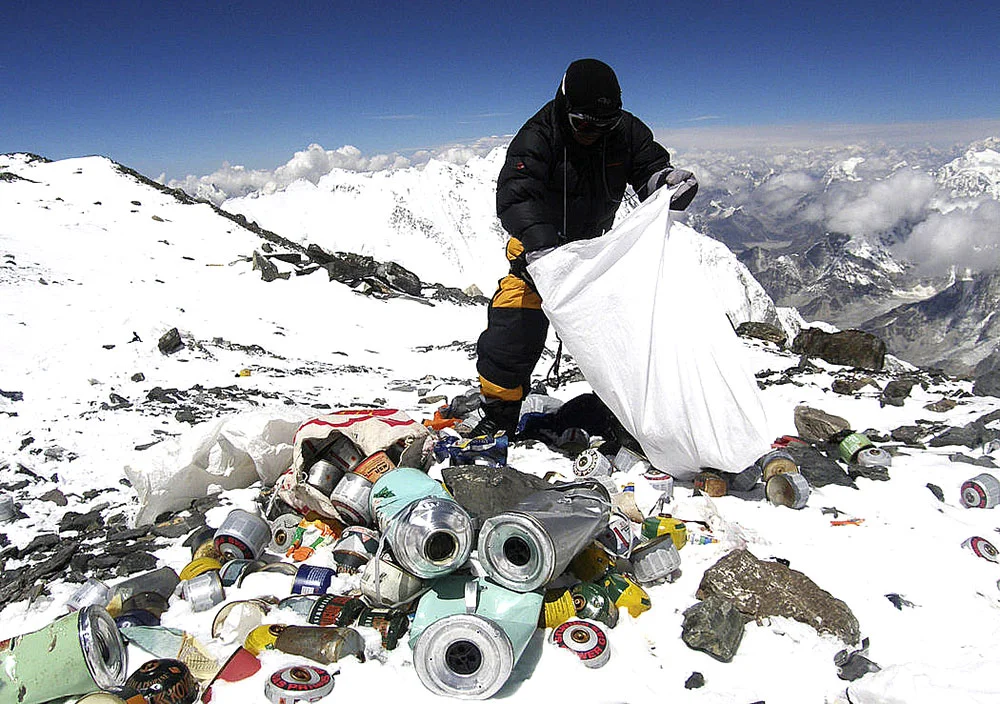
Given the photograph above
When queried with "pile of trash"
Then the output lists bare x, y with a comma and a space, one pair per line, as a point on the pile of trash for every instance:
370, 552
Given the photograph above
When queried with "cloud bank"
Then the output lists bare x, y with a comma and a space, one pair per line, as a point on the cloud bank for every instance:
314, 162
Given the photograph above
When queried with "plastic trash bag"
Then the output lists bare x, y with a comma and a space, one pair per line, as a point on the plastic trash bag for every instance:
637, 312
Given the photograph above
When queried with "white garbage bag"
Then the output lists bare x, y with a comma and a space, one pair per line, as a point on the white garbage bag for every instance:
232, 453
634, 309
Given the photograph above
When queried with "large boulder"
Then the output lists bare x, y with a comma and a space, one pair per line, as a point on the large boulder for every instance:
714, 626
763, 589
852, 348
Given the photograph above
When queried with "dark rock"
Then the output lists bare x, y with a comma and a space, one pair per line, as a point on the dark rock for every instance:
487, 491
14, 584
26, 442
896, 392
45, 541
972, 435
186, 415
399, 278
55, 496
136, 561
852, 348
129, 534
942, 406
937, 491
851, 385
983, 461
178, 526
695, 681
83, 522
876, 474
319, 255
714, 626
909, 434
762, 589
138, 376
268, 271
814, 425
170, 341
987, 384
287, 257
762, 331
12, 395
818, 469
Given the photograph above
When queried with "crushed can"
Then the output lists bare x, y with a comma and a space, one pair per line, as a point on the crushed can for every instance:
790, 489
655, 560
375, 467
92, 592
263, 638
626, 460
747, 479
982, 491
590, 563
429, 534
283, 530
357, 545
325, 644
390, 624
242, 536
199, 566
233, 572
162, 581
85, 648
584, 638
618, 538
298, 683
164, 681
626, 594
332, 610
557, 607
710, 484
467, 635
525, 548
983, 548
388, 584
776, 462
592, 601
655, 526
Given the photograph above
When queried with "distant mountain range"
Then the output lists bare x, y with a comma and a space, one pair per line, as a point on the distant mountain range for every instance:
854, 236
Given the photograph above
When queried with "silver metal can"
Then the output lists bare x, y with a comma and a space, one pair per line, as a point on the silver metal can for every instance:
324, 475
204, 591
8, 511
592, 463
91, 592
626, 460
982, 491
350, 498
298, 683
788, 489
526, 547
584, 638
873, 457
242, 535
388, 584
655, 560
465, 656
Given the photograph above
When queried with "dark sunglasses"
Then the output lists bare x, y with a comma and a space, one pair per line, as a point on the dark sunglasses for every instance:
588, 124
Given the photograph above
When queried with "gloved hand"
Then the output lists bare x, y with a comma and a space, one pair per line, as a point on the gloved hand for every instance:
670, 177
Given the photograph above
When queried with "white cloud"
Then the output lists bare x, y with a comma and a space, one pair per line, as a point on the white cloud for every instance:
967, 238
903, 197
314, 162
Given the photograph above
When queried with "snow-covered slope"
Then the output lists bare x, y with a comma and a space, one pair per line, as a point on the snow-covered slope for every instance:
438, 220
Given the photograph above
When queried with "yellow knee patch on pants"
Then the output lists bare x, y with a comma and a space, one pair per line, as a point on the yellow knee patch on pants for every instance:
491, 390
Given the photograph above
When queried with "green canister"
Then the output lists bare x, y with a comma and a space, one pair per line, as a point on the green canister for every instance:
853, 444
468, 633
84, 648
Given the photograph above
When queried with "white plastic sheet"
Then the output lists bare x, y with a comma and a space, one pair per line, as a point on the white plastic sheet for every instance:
229, 454
634, 310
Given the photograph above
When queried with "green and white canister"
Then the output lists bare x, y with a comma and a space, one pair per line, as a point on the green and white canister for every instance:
84, 648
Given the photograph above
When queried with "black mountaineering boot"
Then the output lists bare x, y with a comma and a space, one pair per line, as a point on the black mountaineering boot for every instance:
497, 415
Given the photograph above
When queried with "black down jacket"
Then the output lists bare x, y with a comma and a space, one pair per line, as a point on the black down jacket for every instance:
545, 164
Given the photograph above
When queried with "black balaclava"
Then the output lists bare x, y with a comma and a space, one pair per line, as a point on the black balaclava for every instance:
591, 87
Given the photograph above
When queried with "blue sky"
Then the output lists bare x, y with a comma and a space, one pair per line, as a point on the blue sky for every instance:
181, 87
